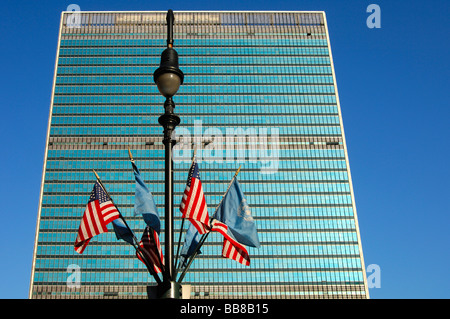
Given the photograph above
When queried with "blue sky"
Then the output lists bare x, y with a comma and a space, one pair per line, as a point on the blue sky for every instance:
394, 91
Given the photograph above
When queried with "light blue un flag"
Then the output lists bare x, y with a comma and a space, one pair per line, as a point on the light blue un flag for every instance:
190, 243
235, 213
122, 231
144, 203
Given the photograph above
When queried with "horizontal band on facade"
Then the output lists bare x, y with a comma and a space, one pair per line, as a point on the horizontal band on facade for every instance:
316, 34
284, 158
211, 158
134, 51
202, 104
196, 84
285, 230
75, 206
249, 94
138, 226
177, 218
203, 287
209, 193
150, 74
221, 65
236, 133
204, 171
158, 146
65, 45
196, 114
235, 270
192, 125
207, 243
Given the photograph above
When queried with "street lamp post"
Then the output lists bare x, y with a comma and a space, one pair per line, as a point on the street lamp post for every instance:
168, 77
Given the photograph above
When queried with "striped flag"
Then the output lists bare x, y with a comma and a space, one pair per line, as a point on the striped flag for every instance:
232, 249
193, 204
235, 251
219, 227
151, 247
99, 212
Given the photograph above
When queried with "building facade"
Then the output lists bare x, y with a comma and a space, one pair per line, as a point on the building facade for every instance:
259, 91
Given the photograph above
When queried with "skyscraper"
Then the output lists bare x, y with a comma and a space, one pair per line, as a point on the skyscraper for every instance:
259, 91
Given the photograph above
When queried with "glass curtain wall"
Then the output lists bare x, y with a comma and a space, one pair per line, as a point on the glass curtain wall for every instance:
259, 91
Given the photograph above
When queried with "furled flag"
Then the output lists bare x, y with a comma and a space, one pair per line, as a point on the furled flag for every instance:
151, 247
144, 204
122, 231
234, 221
190, 243
99, 212
193, 204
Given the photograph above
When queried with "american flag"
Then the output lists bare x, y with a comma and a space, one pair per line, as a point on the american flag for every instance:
231, 247
151, 247
235, 251
193, 204
100, 211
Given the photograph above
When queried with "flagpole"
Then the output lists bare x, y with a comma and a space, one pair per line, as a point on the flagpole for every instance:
147, 264
202, 240
131, 157
136, 244
229, 185
161, 265
178, 249
181, 229
204, 236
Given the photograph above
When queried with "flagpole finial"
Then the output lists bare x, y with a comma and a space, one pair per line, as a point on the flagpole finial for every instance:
96, 175
237, 172
129, 154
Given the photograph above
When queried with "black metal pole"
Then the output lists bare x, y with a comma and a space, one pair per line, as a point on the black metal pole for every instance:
194, 254
170, 18
169, 77
178, 250
169, 121
169, 288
